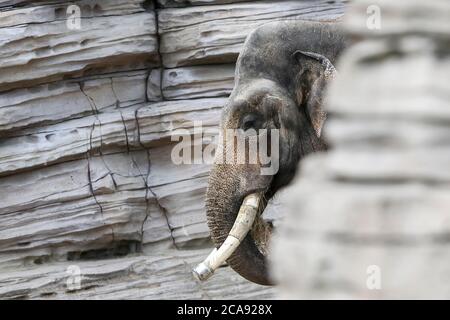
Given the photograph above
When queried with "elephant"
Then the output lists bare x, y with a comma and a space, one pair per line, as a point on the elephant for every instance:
280, 79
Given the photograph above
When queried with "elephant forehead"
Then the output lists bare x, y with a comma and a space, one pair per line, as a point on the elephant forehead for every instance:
256, 90
241, 107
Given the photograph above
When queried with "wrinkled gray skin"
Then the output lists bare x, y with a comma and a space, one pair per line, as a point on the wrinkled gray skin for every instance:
275, 88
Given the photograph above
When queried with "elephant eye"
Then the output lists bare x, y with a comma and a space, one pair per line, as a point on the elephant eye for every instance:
250, 121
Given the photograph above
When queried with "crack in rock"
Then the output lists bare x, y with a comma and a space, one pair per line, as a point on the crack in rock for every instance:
89, 98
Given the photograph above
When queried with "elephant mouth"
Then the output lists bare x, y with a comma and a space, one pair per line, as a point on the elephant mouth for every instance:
262, 230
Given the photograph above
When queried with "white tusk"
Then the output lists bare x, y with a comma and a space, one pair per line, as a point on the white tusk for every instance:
242, 225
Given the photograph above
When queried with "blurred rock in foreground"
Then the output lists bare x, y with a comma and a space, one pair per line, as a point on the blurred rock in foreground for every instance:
371, 218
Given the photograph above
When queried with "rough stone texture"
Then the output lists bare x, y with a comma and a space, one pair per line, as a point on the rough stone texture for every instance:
87, 119
183, 3
134, 277
56, 102
106, 132
198, 81
381, 196
211, 34
37, 46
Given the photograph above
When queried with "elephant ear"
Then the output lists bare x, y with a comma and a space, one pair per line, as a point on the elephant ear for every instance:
315, 72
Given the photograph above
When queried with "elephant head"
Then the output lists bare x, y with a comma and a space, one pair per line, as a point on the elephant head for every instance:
280, 79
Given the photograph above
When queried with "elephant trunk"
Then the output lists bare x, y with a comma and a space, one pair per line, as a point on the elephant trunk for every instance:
223, 202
